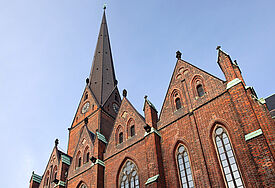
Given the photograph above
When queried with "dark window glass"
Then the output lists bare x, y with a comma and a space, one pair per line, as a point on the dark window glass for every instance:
132, 130
79, 161
87, 157
55, 175
178, 104
86, 96
200, 90
120, 138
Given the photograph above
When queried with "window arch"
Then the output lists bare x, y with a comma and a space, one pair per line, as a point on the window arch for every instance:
78, 160
227, 158
120, 137
54, 174
129, 176
86, 155
47, 179
200, 90
198, 86
176, 100
86, 96
131, 128
184, 167
178, 103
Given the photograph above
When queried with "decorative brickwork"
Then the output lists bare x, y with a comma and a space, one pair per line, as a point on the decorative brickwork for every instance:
209, 133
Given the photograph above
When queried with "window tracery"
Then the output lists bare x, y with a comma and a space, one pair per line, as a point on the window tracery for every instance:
227, 158
129, 176
184, 168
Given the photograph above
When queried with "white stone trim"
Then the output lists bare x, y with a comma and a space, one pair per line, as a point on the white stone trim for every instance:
233, 83
253, 134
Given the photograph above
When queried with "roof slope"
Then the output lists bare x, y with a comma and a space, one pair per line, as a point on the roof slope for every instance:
102, 77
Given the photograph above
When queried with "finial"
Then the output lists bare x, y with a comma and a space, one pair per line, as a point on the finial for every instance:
87, 80
116, 82
104, 6
56, 142
178, 56
218, 47
86, 120
235, 61
145, 97
124, 93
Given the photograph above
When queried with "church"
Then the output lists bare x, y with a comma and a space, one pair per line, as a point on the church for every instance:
209, 132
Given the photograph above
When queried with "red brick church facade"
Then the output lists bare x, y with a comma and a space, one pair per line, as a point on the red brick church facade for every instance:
209, 133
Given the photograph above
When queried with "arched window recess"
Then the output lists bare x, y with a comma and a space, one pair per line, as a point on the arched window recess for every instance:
184, 167
227, 158
128, 177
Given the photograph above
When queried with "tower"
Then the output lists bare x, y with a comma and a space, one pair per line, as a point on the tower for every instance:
101, 99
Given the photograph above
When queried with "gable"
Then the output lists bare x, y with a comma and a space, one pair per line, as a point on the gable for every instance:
127, 117
87, 105
84, 145
183, 85
53, 163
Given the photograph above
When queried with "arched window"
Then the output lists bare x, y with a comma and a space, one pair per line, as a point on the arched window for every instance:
178, 103
120, 138
227, 158
47, 179
129, 176
200, 90
184, 167
86, 96
78, 160
86, 155
132, 130
54, 174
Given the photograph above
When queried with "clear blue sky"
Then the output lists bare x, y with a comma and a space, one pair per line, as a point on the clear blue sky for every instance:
46, 50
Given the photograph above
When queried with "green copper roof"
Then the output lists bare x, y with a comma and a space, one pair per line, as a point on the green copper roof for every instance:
152, 179
101, 137
65, 159
36, 178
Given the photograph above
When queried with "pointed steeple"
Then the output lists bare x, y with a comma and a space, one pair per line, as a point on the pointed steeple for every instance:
102, 80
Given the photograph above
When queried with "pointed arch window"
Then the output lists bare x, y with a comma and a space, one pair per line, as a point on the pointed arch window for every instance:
120, 138
178, 103
227, 158
86, 155
129, 176
78, 160
54, 175
200, 90
184, 168
86, 96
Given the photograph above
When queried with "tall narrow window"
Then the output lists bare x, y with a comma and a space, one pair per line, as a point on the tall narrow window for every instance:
129, 176
86, 96
132, 130
87, 157
227, 159
200, 90
120, 137
178, 103
79, 161
184, 168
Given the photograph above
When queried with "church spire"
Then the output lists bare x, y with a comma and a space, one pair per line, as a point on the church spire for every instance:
102, 80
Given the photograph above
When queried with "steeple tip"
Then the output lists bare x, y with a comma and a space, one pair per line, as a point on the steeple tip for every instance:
104, 6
